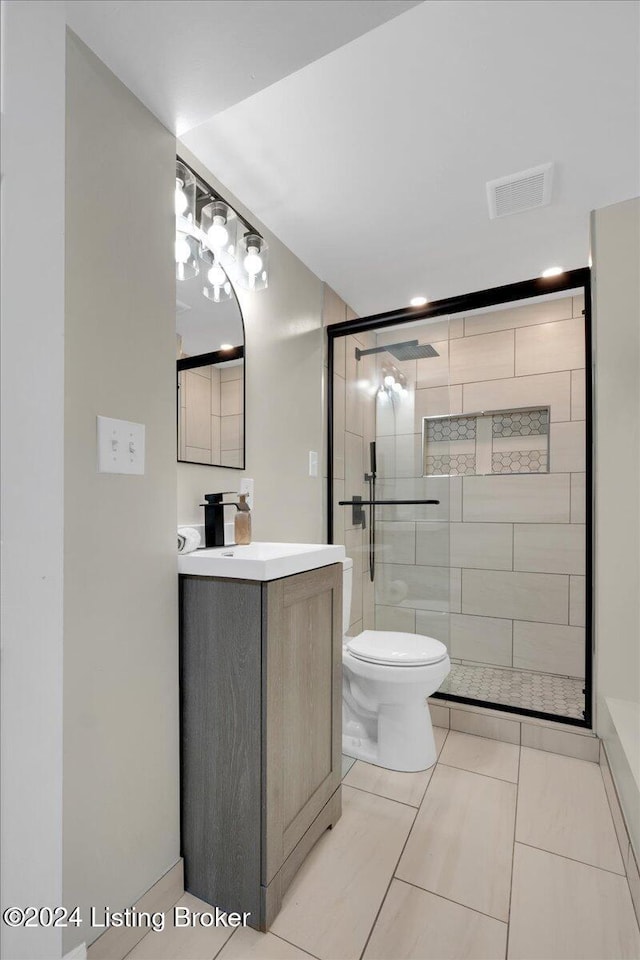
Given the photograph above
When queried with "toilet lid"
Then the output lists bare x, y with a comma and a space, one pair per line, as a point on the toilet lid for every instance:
396, 649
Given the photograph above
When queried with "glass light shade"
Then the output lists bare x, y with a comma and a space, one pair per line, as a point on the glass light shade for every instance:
219, 223
186, 255
252, 262
185, 195
216, 284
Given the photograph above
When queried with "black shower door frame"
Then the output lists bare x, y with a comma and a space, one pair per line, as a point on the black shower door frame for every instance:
496, 296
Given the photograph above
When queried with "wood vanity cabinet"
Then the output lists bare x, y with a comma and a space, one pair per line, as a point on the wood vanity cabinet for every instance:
260, 711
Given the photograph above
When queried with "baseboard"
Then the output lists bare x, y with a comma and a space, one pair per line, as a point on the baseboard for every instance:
116, 942
78, 953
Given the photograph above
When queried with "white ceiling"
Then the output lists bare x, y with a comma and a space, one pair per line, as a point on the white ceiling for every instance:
189, 59
370, 163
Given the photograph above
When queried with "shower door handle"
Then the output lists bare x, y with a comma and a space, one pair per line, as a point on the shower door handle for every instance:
359, 502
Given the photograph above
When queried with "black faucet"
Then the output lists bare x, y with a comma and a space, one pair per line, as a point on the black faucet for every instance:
214, 518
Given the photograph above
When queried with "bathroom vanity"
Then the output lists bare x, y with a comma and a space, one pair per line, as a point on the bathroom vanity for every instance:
260, 704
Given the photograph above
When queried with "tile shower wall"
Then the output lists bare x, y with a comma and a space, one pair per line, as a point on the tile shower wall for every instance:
354, 429
503, 554
211, 421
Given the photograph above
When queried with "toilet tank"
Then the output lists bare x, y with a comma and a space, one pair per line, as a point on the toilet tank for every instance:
347, 587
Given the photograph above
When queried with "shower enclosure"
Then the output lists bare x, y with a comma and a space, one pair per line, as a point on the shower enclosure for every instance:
459, 481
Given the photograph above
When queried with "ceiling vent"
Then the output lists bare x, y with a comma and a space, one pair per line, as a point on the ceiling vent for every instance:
520, 191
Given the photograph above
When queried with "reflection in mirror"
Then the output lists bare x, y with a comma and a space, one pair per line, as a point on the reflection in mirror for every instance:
210, 354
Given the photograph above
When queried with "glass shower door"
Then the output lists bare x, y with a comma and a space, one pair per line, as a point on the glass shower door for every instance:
393, 520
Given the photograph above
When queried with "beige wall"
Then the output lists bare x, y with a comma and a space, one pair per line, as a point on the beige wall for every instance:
121, 829
616, 256
285, 400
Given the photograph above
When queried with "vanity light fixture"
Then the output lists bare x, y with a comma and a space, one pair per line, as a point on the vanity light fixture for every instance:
217, 287
552, 272
219, 223
185, 195
208, 229
252, 261
186, 255
418, 301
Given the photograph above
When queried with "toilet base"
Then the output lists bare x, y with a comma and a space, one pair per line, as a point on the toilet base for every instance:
404, 741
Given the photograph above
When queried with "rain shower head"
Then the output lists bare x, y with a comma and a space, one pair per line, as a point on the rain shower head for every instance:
412, 350
407, 350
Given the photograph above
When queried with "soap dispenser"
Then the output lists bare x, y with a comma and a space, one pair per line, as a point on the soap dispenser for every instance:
243, 521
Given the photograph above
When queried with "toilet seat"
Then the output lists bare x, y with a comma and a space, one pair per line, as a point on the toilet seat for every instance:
392, 649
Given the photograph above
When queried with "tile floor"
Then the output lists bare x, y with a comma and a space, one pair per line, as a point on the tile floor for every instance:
560, 696
497, 851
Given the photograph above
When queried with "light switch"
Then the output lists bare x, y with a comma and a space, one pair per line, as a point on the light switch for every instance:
120, 446
313, 463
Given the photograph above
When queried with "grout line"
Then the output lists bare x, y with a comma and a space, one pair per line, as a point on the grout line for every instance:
291, 943
563, 856
513, 852
382, 796
476, 772
393, 873
441, 896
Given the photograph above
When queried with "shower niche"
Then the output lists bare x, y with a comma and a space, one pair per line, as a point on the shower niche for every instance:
503, 441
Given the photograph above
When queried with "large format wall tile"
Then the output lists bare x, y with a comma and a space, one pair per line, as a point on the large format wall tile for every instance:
549, 347
426, 588
546, 390
578, 498
548, 648
434, 371
432, 623
395, 541
338, 426
567, 447
519, 596
437, 402
577, 601
399, 456
402, 619
486, 357
433, 547
549, 547
522, 316
461, 843
578, 401
573, 819
524, 498
483, 639
484, 545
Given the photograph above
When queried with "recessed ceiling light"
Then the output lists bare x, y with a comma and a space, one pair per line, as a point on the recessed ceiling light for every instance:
418, 301
552, 272
226, 346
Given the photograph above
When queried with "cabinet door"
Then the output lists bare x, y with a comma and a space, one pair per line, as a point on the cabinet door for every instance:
302, 667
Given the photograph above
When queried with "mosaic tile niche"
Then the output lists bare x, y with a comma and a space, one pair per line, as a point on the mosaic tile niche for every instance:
509, 441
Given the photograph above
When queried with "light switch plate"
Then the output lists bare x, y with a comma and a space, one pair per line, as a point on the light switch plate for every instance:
120, 446
313, 463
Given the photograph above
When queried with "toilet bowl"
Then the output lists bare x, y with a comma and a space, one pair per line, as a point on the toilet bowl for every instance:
386, 679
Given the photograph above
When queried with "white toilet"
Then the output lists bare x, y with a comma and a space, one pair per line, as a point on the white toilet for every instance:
387, 677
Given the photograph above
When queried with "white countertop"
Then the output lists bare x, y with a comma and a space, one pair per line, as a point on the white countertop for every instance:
259, 561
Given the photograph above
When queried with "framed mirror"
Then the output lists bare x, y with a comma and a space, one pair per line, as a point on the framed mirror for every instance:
210, 355
211, 382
